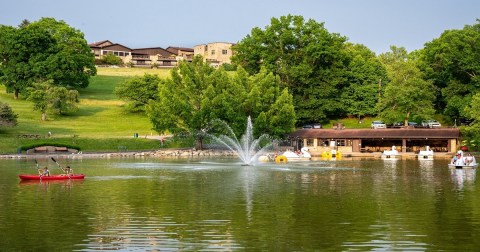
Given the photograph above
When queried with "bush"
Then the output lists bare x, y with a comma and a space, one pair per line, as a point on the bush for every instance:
7, 117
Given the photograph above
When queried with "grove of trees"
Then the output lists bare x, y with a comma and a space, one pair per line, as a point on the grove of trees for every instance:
196, 95
45, 51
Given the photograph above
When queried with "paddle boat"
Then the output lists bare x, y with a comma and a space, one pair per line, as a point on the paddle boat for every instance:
460, 161
51, 177
426, 154
288, 156
391, 154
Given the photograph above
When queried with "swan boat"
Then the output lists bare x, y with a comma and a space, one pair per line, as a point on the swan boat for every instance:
459, 161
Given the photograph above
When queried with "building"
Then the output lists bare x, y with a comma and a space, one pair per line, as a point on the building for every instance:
216, 54
376, 140
143, 57
182, 53
106, 46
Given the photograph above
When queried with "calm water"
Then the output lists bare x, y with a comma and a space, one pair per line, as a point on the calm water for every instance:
219, 205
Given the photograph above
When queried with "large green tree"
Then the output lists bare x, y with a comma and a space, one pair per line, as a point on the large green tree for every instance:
196, 95
309, 60
44, 50
138, 91
365, 74
452, 63
407, 94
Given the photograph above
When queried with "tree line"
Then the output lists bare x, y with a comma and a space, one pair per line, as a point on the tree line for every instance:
291, 63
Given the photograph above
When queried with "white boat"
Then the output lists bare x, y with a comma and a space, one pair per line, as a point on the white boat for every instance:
391, 154
460, 161
425, 154
304, 155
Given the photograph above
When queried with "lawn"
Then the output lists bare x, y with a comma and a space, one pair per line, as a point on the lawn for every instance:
100, 117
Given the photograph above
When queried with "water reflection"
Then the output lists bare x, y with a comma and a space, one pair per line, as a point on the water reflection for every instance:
463, 177
190, 205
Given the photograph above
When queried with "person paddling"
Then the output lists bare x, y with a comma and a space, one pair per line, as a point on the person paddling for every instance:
45, 172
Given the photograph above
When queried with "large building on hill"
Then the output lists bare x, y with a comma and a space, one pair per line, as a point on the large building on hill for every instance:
216, 53
142, 57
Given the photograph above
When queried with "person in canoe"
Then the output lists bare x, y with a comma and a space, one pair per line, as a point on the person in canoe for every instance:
68, 170
44, 172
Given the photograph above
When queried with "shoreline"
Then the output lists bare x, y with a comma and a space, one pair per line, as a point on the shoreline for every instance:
192, 153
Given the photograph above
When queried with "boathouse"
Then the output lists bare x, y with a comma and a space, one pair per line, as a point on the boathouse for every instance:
376, 140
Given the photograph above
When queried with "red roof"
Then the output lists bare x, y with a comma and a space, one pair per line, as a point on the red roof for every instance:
404, 133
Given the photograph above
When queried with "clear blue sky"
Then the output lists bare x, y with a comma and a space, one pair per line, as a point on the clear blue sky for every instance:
152, 23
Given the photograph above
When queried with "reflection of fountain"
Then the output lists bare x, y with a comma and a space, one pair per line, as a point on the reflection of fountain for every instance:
248, 149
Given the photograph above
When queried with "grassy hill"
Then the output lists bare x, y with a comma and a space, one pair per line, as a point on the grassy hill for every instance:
101, 123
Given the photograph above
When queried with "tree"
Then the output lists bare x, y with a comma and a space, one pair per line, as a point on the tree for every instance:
309, 60
196, 95
138, 91
7, 117
49, 98
451, 63
365, 74
182, 107
44, 50
407, 94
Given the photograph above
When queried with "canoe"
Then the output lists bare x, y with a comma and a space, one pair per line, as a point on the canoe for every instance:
462, 166
51, 177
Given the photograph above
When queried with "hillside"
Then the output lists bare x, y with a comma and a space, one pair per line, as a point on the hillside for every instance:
100, 115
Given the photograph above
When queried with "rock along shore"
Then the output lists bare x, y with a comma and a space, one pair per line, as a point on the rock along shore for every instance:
157, 153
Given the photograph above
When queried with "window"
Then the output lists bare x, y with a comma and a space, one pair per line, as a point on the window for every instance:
224, 52
340, 142
322, 142
213, 52
309, 142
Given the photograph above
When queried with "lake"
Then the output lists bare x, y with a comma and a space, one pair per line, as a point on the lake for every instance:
151, 204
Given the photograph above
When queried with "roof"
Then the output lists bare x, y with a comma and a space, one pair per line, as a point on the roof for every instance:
175, 49
403, 133
152, 51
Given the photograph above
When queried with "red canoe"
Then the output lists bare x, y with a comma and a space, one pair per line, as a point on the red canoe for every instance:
51, 177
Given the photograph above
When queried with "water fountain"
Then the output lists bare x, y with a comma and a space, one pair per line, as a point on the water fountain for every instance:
248, 149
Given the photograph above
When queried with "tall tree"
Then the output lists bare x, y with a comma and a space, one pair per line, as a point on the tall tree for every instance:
451, 62
365, 74
44, 50
196, 95
309, 60
407, 94
182, 107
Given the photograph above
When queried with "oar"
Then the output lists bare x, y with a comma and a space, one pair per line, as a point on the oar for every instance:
38, 168
59, 166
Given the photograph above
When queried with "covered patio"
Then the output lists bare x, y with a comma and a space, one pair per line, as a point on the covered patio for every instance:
377, 140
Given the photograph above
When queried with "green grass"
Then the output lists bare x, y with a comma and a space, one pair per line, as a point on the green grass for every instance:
100, 124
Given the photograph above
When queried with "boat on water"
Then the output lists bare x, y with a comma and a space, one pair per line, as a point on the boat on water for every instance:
51, 177
460, 161
303, 155
426, 154
391, 154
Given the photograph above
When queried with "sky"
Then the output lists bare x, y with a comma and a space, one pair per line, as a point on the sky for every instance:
377, 24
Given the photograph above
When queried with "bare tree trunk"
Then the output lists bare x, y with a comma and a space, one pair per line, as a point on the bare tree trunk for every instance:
16, 93
199, 143
44, 116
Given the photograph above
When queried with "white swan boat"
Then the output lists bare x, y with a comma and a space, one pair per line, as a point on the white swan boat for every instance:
304, 155
425, 154
391, 154
460, 161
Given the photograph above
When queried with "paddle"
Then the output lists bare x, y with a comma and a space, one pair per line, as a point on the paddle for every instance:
59, 166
